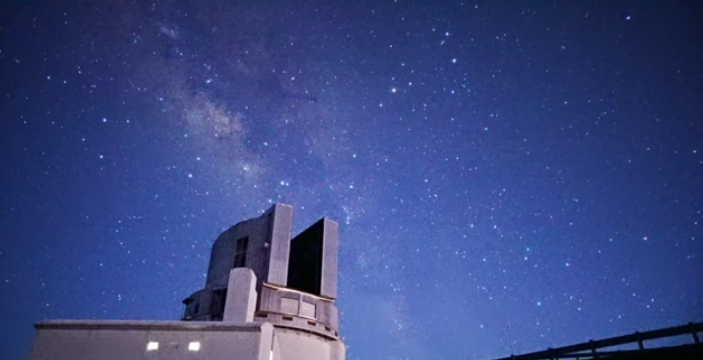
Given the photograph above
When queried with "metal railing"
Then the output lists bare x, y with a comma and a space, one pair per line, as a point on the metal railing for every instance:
589, 350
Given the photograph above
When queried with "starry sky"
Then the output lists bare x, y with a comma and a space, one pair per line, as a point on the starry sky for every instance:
508, 175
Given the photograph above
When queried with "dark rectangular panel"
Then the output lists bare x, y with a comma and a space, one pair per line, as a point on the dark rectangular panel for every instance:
305, 262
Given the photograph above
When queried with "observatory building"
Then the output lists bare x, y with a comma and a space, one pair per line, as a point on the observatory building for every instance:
266, 297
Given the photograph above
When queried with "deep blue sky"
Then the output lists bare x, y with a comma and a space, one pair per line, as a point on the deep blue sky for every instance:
513, 169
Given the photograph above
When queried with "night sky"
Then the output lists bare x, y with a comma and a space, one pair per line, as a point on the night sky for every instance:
508, 176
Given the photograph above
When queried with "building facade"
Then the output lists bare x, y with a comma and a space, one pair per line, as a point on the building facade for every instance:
266, 296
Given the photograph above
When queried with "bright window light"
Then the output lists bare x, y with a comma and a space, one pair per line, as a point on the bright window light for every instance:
194, 346
152, 345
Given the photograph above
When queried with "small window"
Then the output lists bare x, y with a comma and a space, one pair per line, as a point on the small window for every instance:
240, 252
152, 345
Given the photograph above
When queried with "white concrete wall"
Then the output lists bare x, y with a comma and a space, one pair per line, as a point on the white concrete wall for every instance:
290, 344
130, 342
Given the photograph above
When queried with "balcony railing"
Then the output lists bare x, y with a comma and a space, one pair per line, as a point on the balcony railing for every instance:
590, 349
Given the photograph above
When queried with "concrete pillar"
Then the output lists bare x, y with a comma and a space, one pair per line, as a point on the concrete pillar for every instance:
281, 224
241, 296
266, 342
330, 248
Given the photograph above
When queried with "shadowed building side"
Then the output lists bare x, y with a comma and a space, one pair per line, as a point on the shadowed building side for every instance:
295, 280
260, 244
